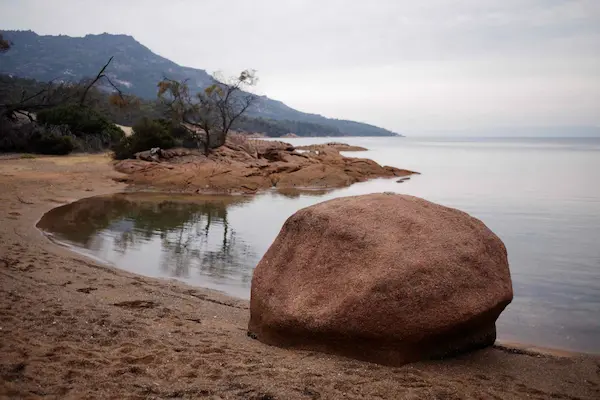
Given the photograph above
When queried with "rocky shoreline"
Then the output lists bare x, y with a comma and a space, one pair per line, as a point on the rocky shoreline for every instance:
250, 166
73, 328
336, 146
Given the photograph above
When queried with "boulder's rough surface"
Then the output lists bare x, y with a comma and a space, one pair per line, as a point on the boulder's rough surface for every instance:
383, 277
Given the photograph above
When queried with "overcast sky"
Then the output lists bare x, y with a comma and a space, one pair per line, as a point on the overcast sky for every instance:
407, 65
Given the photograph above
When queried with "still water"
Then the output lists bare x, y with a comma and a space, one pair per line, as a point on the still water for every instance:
541, 196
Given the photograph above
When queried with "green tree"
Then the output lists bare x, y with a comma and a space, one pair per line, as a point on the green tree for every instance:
208, 115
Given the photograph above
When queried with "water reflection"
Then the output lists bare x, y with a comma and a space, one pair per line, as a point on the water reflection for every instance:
194, 239
540, 196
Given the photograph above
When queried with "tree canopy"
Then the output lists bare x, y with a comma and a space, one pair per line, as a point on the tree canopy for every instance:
209, 114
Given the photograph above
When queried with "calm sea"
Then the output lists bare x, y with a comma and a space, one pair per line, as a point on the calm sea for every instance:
541, 196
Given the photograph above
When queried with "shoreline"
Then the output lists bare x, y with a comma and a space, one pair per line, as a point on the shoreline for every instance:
72, 327
513, 346
250, 166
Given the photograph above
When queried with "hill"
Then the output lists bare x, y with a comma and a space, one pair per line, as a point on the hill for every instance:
136, 70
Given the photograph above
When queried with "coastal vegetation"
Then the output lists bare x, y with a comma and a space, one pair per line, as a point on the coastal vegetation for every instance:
208, 116
11, 88
152, 133
60, 117
137, 70
78, 113
56, 118
82, 117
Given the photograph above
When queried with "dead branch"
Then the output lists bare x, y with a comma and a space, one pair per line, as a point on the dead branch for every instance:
99, 76
26, 114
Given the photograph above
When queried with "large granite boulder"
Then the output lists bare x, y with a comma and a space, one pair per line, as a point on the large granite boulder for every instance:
383, 277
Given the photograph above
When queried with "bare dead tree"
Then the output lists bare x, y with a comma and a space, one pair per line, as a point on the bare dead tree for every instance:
208, 115
101, 76
51, 95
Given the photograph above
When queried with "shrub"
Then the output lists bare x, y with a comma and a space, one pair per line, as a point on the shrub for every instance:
146, 135
122, 150
150, 133
182, 136
14, 136
54, 144
94, 131
33, 138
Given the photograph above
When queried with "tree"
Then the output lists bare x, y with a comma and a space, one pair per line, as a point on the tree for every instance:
64, 120
209, 114
117, 98
57, 94
4, 44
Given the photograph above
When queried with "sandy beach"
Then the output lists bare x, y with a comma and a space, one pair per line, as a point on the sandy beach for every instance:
74, 328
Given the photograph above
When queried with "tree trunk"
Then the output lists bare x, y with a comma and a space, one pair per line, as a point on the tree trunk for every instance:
219, 140
207, 146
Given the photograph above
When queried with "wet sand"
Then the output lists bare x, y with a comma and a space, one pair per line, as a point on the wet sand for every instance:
73, 328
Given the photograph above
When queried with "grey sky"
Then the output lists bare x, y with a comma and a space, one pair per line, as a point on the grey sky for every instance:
410, 66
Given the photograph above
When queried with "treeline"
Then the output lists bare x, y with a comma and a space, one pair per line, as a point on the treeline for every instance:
278, 128
12, 88
59, 130
49, 119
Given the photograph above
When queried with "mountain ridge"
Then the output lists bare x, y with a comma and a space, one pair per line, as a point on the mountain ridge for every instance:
137, 70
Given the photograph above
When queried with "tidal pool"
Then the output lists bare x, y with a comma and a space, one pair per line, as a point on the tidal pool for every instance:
166, 236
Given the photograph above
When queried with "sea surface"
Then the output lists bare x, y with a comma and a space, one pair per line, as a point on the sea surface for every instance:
540, 196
